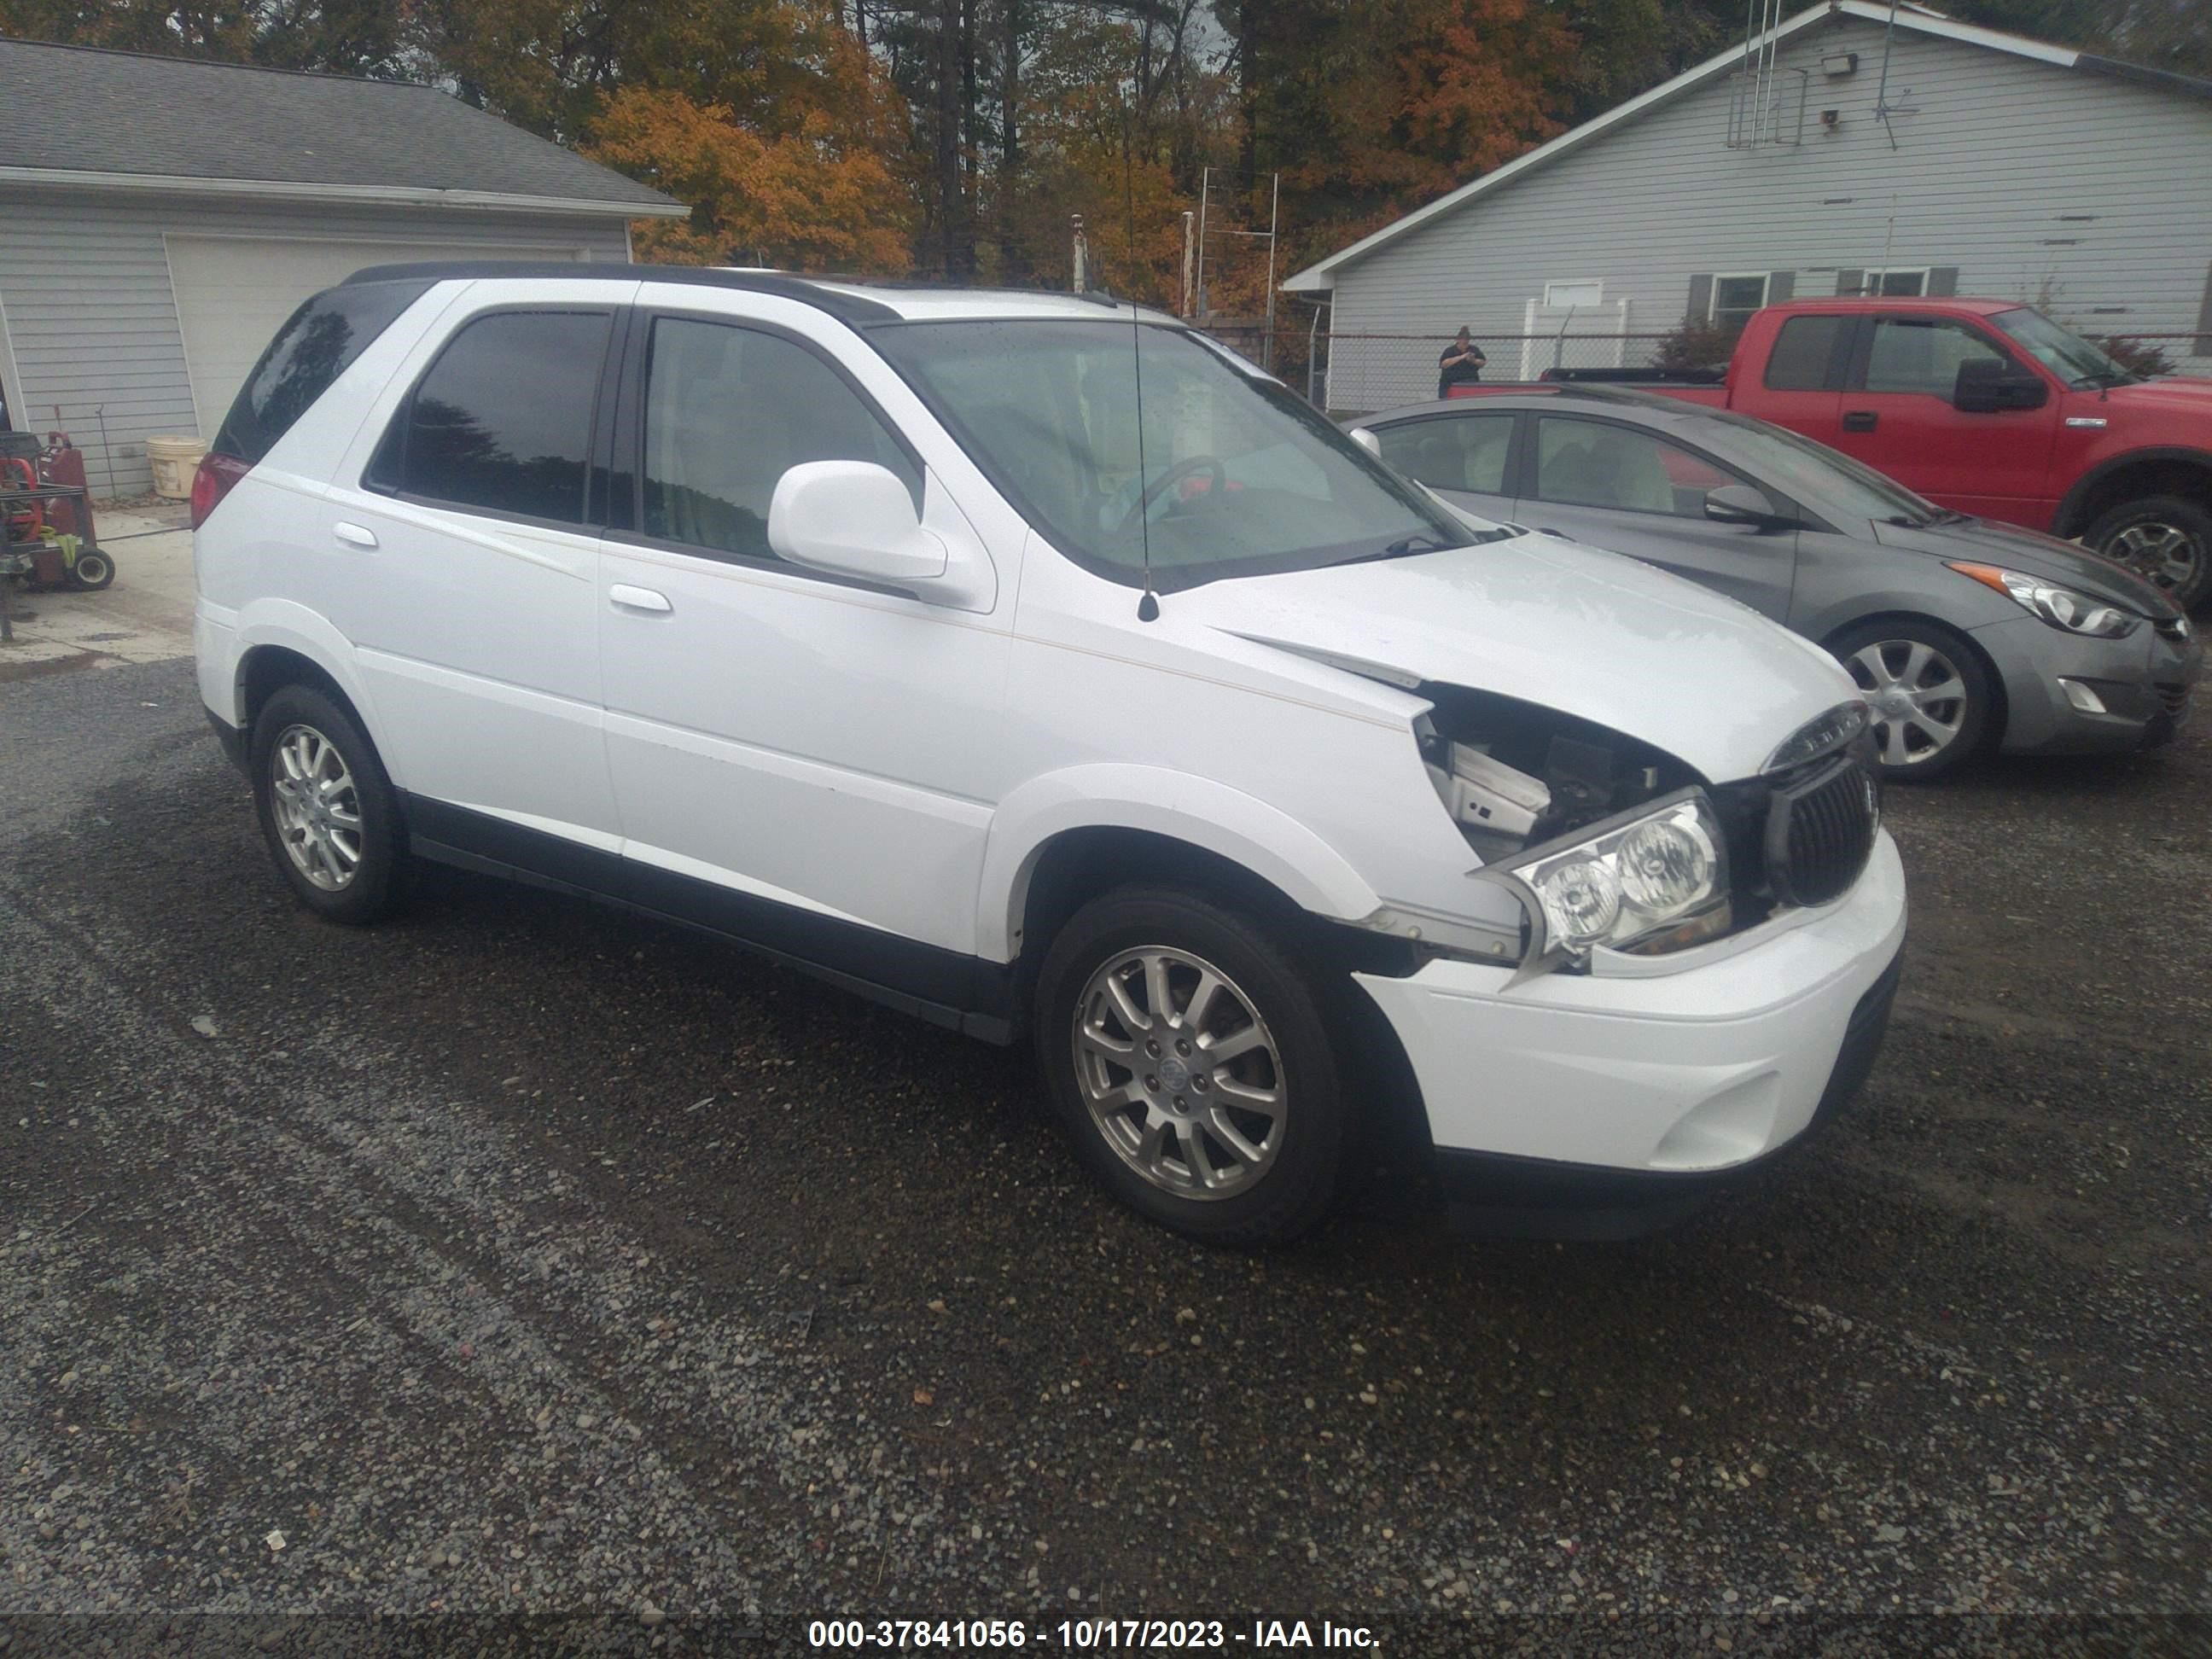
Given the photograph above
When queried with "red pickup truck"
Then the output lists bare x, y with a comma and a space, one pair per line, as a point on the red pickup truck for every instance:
1988, 407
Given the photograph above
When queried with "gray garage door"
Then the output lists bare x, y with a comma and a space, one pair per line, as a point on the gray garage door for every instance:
234, 291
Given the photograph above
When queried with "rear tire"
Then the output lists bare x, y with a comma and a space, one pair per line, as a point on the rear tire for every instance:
327, 810
1931, 697
2164, 539
1190, 1058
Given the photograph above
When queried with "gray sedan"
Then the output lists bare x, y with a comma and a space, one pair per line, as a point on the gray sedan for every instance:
1963, 633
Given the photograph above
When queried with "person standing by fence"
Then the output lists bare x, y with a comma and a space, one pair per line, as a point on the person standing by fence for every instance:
1460, 364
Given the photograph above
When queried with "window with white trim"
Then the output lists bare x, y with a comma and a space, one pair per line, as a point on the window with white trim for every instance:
1575, 292
1735, 297
1903, 282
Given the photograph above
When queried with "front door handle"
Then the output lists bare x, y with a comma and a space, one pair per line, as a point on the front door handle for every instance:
353, 535
638, 599
1860, 420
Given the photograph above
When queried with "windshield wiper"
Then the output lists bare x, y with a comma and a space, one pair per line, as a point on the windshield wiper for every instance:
1419, 542
1941, 515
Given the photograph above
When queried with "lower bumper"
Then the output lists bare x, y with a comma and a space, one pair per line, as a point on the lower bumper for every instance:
1504, 1196
2144, 684
232, 740
1657, 1083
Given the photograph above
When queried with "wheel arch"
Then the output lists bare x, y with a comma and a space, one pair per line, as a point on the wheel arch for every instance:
1148, 820
2160, 469
2001, 706
286, 644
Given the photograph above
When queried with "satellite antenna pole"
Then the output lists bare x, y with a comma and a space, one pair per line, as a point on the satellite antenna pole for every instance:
1881, 91
1205, 184
1275, 221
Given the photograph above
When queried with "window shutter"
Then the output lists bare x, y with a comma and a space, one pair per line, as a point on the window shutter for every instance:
1780, 285
1701, 300
2203, 342
1850, 285
1942, 282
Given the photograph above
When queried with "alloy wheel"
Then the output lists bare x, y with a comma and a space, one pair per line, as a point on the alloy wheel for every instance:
317, 807
1918, 696
2165, 555
1180, 1072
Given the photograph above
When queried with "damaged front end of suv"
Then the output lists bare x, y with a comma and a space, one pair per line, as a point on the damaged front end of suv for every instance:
1614, 847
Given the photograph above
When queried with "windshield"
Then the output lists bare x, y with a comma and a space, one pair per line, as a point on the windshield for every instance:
2064, 353
1236, 476
1814, 472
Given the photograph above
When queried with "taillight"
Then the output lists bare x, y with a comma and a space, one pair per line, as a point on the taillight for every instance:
212, 481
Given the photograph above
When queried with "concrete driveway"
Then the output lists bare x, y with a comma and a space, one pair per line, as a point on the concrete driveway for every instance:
145, 616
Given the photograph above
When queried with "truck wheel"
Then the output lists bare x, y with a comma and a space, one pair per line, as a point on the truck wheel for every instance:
91, 570
326, 808
1930, 695
2164, 539
1188, 1055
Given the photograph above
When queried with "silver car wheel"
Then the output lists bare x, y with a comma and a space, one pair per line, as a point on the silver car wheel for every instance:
1918, 699
317, 808
1180, 1074
2165, 555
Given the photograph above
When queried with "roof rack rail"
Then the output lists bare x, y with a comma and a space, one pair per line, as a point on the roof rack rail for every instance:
845, 307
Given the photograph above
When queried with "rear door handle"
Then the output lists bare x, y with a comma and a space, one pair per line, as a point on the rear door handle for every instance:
353, 535
638, 599
1860, 420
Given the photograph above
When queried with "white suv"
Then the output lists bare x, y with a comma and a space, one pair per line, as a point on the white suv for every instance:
1035, 666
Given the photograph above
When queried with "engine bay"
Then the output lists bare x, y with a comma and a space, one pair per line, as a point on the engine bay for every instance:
1516, 775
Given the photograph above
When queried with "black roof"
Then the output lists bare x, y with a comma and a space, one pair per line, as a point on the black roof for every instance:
846, 307
1516, 393
83, 109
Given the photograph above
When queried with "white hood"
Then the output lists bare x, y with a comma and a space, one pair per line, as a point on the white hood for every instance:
1552, 622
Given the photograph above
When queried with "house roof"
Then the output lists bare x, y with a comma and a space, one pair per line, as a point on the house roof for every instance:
1321, 277
88, 117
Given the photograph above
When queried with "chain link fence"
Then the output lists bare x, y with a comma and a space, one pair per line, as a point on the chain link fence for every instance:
1354, 375
1358, 374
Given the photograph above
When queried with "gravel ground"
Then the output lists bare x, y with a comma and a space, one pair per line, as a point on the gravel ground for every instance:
518, 1256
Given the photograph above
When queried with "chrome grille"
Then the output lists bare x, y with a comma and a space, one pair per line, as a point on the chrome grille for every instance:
1820, 833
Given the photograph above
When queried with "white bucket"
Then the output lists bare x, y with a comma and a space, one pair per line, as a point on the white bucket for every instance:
174, 460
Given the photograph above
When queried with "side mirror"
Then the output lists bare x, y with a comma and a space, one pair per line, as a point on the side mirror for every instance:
1368, 441
1988, 384
853, 519
1738, 503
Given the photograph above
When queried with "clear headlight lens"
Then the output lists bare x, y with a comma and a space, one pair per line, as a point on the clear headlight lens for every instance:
1831, 730
1626, 881
2062, 607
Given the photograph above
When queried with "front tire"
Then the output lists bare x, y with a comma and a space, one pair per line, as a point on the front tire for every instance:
2164, 539
1189, 1057
1932, 698
327, 810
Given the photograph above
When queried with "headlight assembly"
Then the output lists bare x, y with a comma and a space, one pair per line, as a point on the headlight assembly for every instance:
2061, 607
1831, 730
1642, 878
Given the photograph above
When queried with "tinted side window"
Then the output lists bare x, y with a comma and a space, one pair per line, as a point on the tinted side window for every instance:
318, 342
1590, 463
1462, 452
1802, 350
503, 420
1922, 354
728, 411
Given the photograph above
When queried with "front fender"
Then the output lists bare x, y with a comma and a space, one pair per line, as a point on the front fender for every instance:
1226, 821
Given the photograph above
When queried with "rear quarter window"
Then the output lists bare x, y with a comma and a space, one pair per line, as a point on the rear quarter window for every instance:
1803, 352
318, 343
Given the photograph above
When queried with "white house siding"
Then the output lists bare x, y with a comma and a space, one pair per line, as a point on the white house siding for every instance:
87, 320
2086, 192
